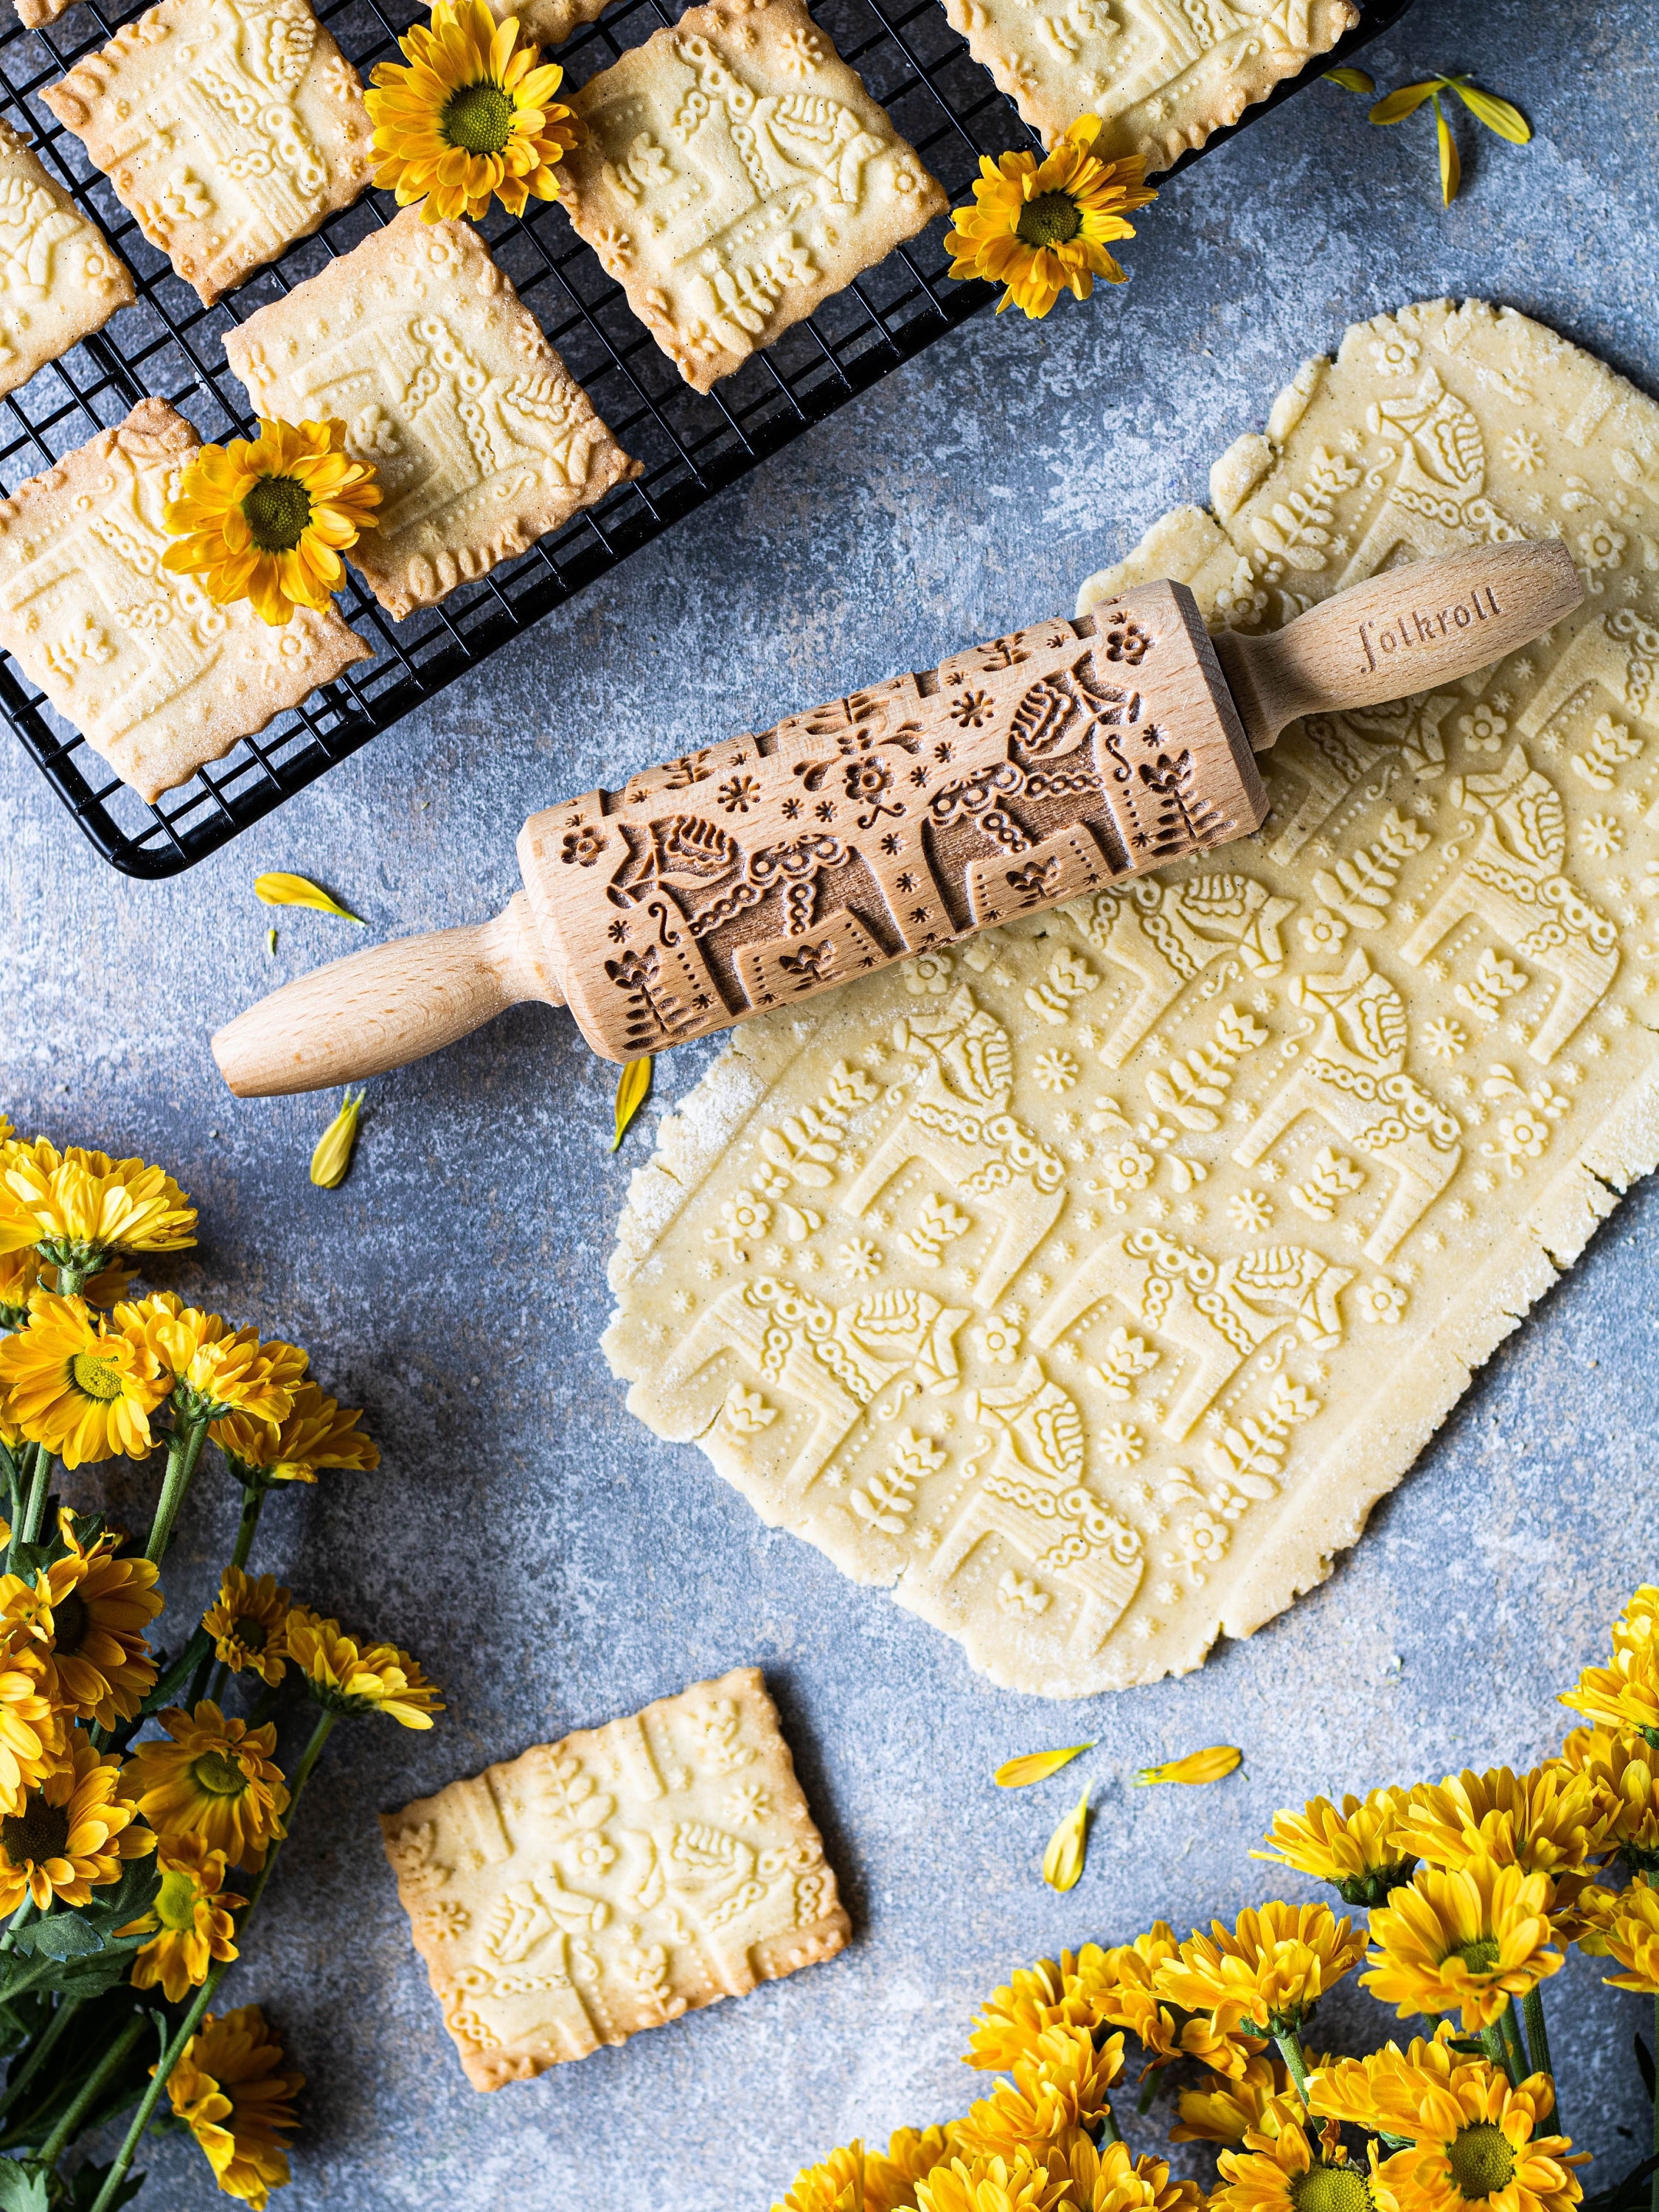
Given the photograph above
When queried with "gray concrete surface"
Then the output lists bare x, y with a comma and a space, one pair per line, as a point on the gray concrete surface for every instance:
551, 1563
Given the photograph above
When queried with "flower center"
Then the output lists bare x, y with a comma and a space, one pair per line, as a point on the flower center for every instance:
94, 1377
214, 1772
39, 1832
477, 117
250, 1634
70, 1623
276, 511
1051, 219
175, 1901
1330, 2189
1480, 1956
1481, 2160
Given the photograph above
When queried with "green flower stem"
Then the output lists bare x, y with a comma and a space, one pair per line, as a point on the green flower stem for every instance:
253, 1504
1289, 2049
34, 1508
111, 2063
183, 1453
1538, 2043
1108, 2128
1521, 2065
1148, 2091
71, 1278
42, 2050
1496, 2045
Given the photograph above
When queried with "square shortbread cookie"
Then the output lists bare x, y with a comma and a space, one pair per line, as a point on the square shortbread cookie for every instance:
609, 1883
154, 676
419, 344
228, 127
1160, 75
549, 23
1088, 1283
736, 173
60, 278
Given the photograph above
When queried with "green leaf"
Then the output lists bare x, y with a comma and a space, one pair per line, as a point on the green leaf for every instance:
60, 1936
1395, 107
1632, 2193
633, 1089
23, 2186
88, 2179
1496, 114
1451, 169
1350, 80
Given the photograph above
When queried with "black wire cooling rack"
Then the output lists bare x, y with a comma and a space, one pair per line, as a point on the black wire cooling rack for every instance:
167, 344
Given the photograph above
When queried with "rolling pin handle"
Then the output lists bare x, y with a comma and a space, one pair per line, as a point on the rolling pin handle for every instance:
381, 1008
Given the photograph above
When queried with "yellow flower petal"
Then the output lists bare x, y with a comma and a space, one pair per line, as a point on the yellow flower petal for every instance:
332, 1157
1395, 107
633, 1089
1451, 169
299, 891
1062, 1862
1037, 1766
1198, 1766
1496, 114
1350, 80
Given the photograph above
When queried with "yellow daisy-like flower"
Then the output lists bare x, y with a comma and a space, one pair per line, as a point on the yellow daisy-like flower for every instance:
216, 1779
1112, 2179
1223, 2110
1270, 1969
1063, 2081
84, 1392
473, 116
345, 1676
215, 1369
1471, 2139
19, 1277
1545, 1821
1124, 1995
892, 2177
78, 1206
317, 1433
1626, 1929
1354, 1848
836, 2184
190, 1919
266, 519
84, 1617
982, 2181
229, 2090
31, 1729
1041, 229
1466, 1940
70, 1833
248, 1623
1625, 1775
1624, 1693
1278, 2170
1054, 1993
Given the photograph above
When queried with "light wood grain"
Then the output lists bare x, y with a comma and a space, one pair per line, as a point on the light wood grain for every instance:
1403, 632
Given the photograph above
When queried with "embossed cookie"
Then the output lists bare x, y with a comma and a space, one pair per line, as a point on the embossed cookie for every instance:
609, 1883
549, 23
736, 173
419, 344
60, 278
228, 127
1160, 77
154, 676
1087, 1284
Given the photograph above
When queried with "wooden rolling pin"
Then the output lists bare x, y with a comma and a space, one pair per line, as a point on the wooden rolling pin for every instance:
756, 872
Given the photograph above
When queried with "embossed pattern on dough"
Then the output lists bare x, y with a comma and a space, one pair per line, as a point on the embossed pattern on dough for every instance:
607, 1884
155, 677
60, 278
416, 341
1161, 75
229, 128
738, 173
1087, 1285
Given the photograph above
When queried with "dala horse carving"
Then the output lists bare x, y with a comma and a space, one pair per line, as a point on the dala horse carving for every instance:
1619, 655
1166, 933
1512, 881
1218, 1311
1436, 503
1353, 1079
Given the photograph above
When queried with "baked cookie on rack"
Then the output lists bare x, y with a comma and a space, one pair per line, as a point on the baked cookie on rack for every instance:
60, 278
736, 173
228, 127
417, 342
155, 678
1160, 77
550, 22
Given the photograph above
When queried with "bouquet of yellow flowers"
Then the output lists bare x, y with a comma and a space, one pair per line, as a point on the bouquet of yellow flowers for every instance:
142, 1812
1474, 1887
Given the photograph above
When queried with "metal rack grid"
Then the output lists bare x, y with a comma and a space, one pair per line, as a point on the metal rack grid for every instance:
167, 344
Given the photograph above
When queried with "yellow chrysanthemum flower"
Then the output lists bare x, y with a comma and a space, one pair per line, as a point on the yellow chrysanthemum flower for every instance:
83, 1205
473, 116
84, 1617
248, 1623
1271, 1969
979, 2181
216, 1779
19, 1277
892, 2177
1624, 1693
71, 1832
266, 519
1466, 1940
317, 1433
1625, 1775
84, 1392
836, 2184
1354, 1848
345, 1676
1063, 2081
31, 1729
213, 1369
190, 1919
1471, 2139
1626, 1929
1041, 229
1223, 2110
1054, 1993
1545, 1821
1278, 2170
1123, 1994
1112, 2179
229, 2091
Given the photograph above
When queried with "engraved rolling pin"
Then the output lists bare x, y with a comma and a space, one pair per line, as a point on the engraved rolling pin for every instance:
753, 873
